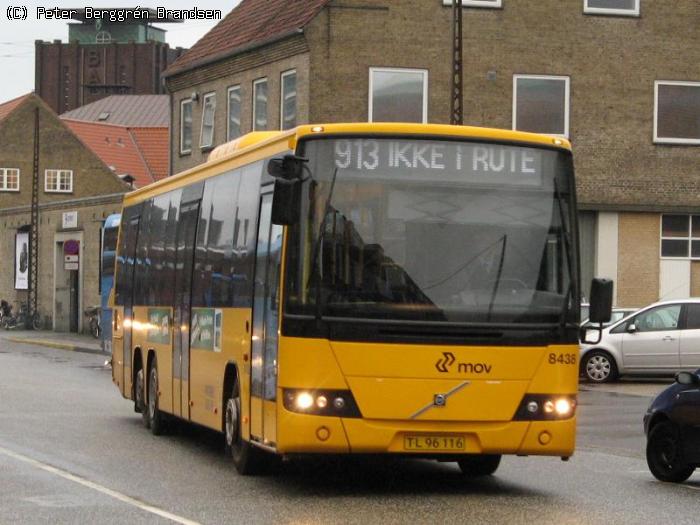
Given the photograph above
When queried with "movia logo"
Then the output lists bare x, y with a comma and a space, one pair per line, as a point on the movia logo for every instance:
444, 364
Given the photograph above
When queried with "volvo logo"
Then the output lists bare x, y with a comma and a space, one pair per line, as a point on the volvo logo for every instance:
439, 400
444, 365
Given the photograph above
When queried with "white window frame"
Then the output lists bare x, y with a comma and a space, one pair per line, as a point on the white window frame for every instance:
611, 11
228, 109
567, 100
477, 3
296, 97
669, 140
58, 189
688, 238
255, 102
424, 72
182, 119
205, 99
3, 179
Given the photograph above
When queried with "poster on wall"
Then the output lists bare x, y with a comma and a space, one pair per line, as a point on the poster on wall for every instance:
22, 261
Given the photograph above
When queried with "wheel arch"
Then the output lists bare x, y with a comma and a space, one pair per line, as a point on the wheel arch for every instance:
658, 417
604, 350
137, 365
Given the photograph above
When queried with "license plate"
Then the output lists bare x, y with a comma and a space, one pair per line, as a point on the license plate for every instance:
433, 443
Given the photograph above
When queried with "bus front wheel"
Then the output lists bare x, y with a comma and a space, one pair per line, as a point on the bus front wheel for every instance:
246, 458
479, 465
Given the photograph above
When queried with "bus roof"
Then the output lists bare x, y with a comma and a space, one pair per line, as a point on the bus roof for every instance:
260, 144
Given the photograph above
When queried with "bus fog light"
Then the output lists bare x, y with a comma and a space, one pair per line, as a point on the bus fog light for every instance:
304, 401
321, 401
549, 407
532, 407
563, 407
339, 403
544, 438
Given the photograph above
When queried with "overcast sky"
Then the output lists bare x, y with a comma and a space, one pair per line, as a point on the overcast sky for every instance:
17, 37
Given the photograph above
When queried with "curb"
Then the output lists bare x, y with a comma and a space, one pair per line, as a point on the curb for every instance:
55, 344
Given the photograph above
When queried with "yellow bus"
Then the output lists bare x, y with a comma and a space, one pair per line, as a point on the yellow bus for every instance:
358, 288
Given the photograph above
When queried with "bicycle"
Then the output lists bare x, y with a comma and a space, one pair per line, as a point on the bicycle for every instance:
93, 315
10, 321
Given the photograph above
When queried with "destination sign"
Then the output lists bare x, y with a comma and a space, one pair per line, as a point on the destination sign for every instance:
425, 160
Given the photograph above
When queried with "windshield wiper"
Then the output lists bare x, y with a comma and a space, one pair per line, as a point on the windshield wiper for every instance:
498, 275
316, 249
567, 248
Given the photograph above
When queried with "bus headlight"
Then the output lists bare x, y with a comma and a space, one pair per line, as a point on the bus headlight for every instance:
316, 402
304, 401
538, 407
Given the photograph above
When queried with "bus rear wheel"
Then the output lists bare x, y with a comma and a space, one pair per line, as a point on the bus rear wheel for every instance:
479, 465
247, 459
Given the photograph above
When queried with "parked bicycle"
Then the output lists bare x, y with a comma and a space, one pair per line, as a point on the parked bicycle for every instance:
9, 320
93, 315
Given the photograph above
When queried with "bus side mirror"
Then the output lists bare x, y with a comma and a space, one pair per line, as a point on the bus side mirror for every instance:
289, 168
286, 202
600, 310
601, 300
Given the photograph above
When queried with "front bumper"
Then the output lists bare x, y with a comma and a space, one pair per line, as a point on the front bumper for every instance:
300, 433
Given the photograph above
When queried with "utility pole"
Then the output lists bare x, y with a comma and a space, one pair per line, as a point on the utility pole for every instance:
456, 105
34, 231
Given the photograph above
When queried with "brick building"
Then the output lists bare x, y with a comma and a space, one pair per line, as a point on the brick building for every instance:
77, 191
619, 78
102, 58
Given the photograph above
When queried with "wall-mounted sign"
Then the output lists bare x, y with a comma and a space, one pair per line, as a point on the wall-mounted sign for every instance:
22, 261
70, 219
71, 255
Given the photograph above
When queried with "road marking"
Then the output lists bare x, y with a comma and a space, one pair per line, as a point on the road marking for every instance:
99, 488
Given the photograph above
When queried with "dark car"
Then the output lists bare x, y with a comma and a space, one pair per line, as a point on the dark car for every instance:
672, 427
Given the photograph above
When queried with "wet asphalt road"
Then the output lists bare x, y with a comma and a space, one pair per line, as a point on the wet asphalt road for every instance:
73, 451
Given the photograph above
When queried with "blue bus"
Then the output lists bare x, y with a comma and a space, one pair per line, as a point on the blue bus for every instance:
110, 231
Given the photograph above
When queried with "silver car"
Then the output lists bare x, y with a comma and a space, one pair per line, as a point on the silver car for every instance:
660, 339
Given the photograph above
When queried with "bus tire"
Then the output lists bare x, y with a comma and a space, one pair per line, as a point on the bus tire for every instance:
155, 418
479, 465
247, 459
139, 397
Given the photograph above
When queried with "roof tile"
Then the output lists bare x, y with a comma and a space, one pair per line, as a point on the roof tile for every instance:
117, 148
9, 106
126, 110
251, 22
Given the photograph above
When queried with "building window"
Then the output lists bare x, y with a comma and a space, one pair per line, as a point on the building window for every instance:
9, 179
677, 112
103, 37
206, 138
398, 95
288, 96
58, 181
680, 236
611, 7
260, 105
477, 3
186, 126
233, 131
541, 104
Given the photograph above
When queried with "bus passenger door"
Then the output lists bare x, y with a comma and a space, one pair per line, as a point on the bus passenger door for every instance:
263, 408
184, 255
132, 234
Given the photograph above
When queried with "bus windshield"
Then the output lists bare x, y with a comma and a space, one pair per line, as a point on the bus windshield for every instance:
433, 230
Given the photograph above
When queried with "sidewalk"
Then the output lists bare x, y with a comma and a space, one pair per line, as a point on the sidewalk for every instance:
60, 340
